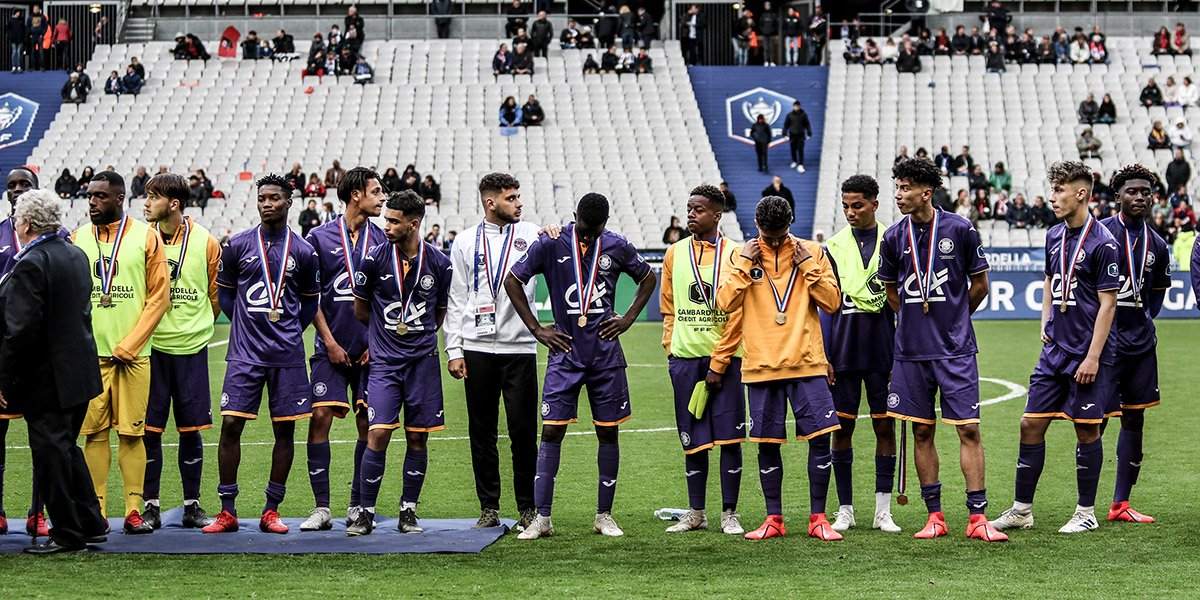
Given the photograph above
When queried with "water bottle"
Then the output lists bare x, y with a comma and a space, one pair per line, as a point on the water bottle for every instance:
670, 514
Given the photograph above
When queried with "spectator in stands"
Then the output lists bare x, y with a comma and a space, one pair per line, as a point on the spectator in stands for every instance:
328, 214
410, 178
890, 52
1178, 197
1162, 227
1108, 111
195, 48
673, 233
532, 114
390, 180
960, 42
198, 194
430, 190
628, 61
353, 39
1000, 179
502, 61
334, 175
760, 133
1101, 191
1180, 134
1001, 206
1088, 110
854, 53
1178, 172
730, 199
510, 113
309, 218
1044, 51
963, 163
249, 46
314, 189
522, 61
902, 154
443, 9
73, 90
607, 23
647, 28
965, 209
334, 37
1041, 215
354, 20
137, 183
643, 63
871, 54
283, 43
131, 82
627, 28
768, 26
1098, 52
363, 73
541, 33
778, 189
61, 39
1080, 53
138, 66
315, 66
1157, 138
318, 45
346, 62
112, 85
793, 36
434, 237
983, 206
1162, 42
922, 153
1189, 94
996, 16
742, 32
585, 39
331, 62
1020, 214
204, 180
1184, 217
924, 42
1181, 42
818, 36
518, 17
941, 43
1088, 144
66, 186
15, 30
994, 58
908, 61
84, 79
977, 42
295, 177
1151, 94
566, 40
944, 160
1160, 208
691, 35
977, 179
590, 66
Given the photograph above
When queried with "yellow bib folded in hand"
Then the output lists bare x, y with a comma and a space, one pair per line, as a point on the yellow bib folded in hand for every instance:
699, 399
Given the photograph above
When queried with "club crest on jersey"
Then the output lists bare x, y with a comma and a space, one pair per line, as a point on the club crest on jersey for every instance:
605, 262
520, 244
756, 273
695, 295
291, 264
427, 282
945, 245
320, 388
224, 399
360, 278
893, 400
685, 438
545, 409
979, 251
1150, 259
1113, 271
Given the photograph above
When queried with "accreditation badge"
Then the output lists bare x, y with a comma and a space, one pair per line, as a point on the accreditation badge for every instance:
485, 319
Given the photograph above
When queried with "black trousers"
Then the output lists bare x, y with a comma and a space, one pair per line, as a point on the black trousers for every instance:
443, 28
63, 479
797, 144
761, 151
515, 377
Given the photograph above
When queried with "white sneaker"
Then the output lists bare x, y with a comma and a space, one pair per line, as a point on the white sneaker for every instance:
318, 520
1084, 520
730, 525
794, 165
352, 514
844, 519
690, 521
605, 525
1014, 519
539, 527
883, 522
800, 168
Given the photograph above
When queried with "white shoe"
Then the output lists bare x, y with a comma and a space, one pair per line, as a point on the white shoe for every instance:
730, 525
690, 521
800, 168
318, 520
844, 519
1084, 520
1014, 519
352, 515
539, 527
605, 525
883, 522
794, 165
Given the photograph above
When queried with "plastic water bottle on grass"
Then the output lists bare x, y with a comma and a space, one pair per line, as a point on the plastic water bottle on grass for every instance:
670, 514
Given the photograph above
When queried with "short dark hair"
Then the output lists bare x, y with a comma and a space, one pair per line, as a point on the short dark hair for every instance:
711, 193
33, 174
408, 202
170, 185
494, 183
278, 181
355, 180
113, 178
920, 171
1067, 171
1134, 171
861, 184
773, 212
592, 209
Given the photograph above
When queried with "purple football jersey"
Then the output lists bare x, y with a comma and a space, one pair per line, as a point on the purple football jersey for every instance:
946, 332
427, 291
1133, 329
553, 259
337, 284
1096, 270
856, 340
9, 244
253, 338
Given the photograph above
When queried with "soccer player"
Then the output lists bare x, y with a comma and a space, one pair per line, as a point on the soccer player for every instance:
491, 351
130, 297
1145, 265
400, 293
1075, 375
339, 360
778, 282
179, 348
859, 342
581, 269
269, 281
933, 269
703, 344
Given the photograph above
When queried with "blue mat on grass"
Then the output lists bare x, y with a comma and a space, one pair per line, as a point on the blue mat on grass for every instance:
441, 536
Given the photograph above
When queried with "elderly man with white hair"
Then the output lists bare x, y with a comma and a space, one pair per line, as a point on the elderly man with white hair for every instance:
48, 369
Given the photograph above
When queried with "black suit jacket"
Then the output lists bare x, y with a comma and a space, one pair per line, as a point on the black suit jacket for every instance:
47, 352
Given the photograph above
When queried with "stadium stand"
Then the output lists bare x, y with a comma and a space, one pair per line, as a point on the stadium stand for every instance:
638, 139
1025, 117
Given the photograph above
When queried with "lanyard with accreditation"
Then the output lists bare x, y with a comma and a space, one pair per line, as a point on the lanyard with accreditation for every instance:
484, 311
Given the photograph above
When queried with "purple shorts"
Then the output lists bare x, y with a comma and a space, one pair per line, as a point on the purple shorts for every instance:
330, 383
287, 388
1136, 381
414, 387
915, 386
847, 393
724, 418
179, 381
1053, 393
812, 407
608, 395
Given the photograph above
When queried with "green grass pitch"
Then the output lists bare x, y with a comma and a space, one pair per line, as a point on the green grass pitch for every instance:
1124, 560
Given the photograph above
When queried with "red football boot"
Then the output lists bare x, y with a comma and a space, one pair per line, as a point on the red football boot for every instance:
819, 527
225, 522
271, 523
3, 524
1120, 511
136, 525
979, 528
772, 527
38, 521
936, 527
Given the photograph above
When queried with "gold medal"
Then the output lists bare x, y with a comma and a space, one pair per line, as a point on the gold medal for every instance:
781, 318
902, 500
273, 316
925, 307
106, 300
402, 328
1062, 308
582, 321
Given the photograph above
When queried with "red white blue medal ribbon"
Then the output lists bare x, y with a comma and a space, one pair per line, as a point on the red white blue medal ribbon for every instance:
482, 246
1136, 275
1068, 270
183, 246
274, 285
709, 300
109, 268
585, 292
924, 280
402, 327
348, 246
